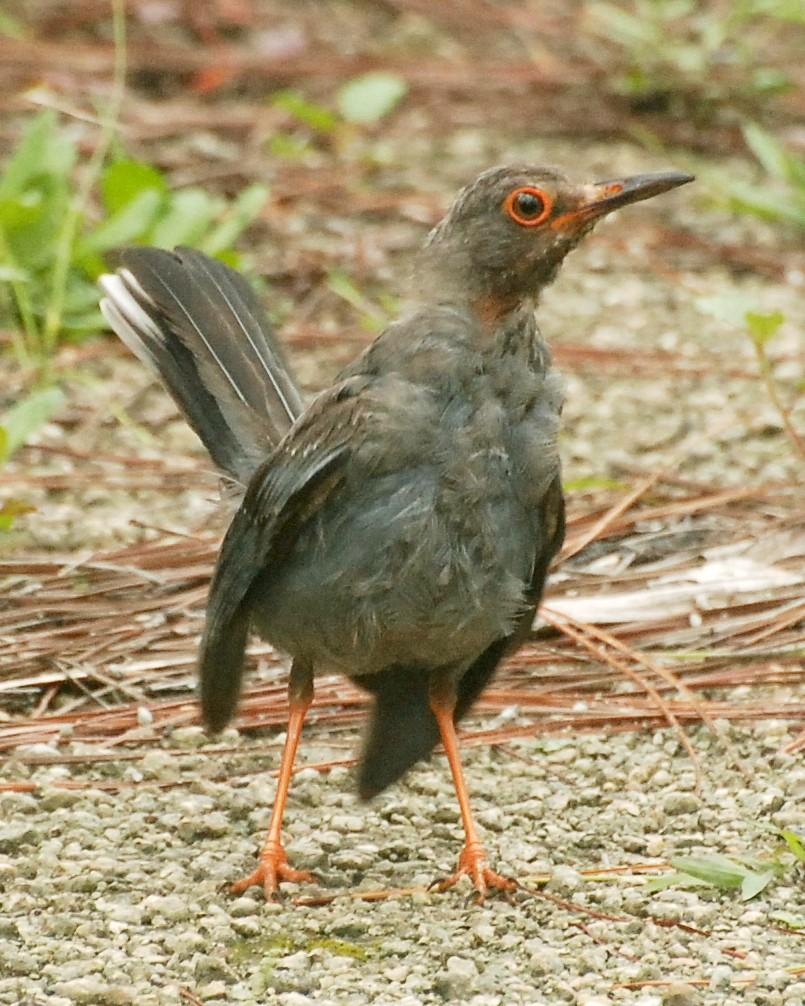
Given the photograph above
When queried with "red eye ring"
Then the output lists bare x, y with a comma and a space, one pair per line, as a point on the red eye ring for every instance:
542, 204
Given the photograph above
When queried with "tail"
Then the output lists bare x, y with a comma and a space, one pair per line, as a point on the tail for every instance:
402, 728
198, 325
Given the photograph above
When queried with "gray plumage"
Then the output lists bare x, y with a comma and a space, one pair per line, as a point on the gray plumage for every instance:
400, 528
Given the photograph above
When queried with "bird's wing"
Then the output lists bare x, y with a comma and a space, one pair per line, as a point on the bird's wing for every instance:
284, 493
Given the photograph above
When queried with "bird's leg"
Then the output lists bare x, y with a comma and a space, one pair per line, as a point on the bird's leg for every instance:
273, 865
472, 859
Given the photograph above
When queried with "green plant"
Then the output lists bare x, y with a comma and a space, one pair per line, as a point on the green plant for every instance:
747, 875
761, 327
361, 101
44, 301
16, 426
692, 53
781, 196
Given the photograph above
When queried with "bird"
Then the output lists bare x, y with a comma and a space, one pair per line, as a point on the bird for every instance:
399, 527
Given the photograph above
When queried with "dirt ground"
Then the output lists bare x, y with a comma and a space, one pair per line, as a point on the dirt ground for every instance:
112, 871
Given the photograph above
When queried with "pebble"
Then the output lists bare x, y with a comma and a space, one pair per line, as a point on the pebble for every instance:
17, 834
681, 803
680, 994
93, 990
189, 737
565, 879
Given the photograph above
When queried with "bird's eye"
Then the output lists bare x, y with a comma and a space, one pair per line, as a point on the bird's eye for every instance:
528, 205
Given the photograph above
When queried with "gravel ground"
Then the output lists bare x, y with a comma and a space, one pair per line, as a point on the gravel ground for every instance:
115, 897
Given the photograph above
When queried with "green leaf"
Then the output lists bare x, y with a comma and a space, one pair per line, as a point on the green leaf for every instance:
11, 274
767, 205
671, 880
771, 154
32, 239
587, 482
186, 219
288, 146
754, 883
130, 223
22, 210
10, 509
319, 118
123, 181
29, 155
3, 444
716, 870
795, 843
762, 327
30, 415
789, 919
12, 27
237, 218
368, 98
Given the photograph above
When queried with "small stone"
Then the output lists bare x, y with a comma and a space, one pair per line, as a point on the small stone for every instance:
721, 977
564, 878
484, 932
131, 915
54, 798
242, 907
92, 990
346, 822
680, 994
170, 907
159, 765
207, 826
16, 835
544, 961
681, 803
207, 968
188, 737
655, 844
457, 980
14, 961
462, 967
352, 859
144, 716
492, 818
299, 961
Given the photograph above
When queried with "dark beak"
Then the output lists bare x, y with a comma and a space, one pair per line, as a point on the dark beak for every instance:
601, 198
611, 195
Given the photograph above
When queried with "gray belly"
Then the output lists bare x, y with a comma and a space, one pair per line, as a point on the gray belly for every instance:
399, 575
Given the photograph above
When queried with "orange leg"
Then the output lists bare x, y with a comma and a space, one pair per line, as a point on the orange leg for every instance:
472, 859
273, 865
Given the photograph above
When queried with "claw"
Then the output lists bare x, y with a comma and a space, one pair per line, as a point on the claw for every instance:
472, 863
272, 869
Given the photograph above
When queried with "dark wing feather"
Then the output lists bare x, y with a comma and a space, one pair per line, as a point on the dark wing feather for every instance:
285, 492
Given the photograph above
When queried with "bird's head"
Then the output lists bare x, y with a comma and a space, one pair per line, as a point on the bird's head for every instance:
507, 232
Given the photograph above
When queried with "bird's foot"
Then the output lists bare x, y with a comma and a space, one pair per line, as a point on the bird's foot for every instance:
472, 863
272, 869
